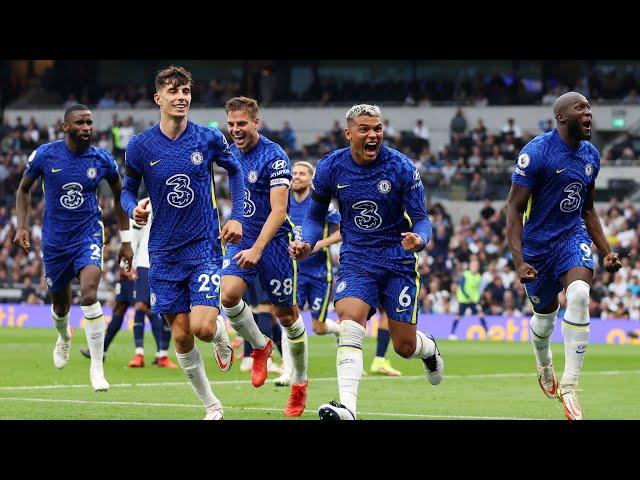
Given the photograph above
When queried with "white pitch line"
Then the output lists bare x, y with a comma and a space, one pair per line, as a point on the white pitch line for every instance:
320, 379
261, 409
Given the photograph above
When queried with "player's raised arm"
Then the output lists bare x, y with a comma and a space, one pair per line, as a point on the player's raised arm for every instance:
415, 206
312, 226
594, 227
231, 232
516, 206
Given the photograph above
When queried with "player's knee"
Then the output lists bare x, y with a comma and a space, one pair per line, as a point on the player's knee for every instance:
229, 299
578, 294
61, 309
182, 337
88, 296
405, 348
542, 324
205, 332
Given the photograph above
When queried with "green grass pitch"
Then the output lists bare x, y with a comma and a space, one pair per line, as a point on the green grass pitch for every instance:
483, 380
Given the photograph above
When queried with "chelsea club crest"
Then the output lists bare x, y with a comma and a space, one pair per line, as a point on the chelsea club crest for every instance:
92, 173
196, 158
588, 169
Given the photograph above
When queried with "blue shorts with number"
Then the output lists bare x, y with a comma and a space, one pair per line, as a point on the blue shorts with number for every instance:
143, 292
316, 291
125, 291
384, 277
63, 266
277, 270
177, 286
559, 258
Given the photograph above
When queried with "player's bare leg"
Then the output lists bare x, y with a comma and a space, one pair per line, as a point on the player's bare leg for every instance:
94, 324
575, 330
241, 318
353, 314
191, 362
209, 326
61, 305
296, 338
541, 327
409, 342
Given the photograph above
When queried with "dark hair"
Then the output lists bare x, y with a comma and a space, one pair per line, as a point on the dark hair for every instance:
242, 103
173, 75
74, 108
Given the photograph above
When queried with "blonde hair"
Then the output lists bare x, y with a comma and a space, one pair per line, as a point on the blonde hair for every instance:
310, 167
363, 109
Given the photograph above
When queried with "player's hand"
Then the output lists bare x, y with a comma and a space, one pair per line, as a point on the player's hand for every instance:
231, 232
248, 258
141, 212
22, 240
411, 242
318, 247
299, 250
612, 262
526, 273
126, 253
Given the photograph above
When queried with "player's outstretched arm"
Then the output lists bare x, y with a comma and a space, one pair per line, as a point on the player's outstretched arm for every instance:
125, 251
23, 201
594, 227
516, 206
236, 181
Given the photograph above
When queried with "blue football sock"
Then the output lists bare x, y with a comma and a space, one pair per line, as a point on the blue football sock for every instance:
112, 329
138, 328
157, 329
382, 342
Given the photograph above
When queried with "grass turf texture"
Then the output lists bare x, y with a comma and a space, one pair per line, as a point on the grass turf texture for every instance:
483, 380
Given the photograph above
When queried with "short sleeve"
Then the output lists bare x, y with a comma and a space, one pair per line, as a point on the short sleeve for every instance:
111, 168
279, 169
35, 164
333, 216
132, 156
321, 181
527, 168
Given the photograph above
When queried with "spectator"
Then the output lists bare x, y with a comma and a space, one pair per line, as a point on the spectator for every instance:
421, 130
458, 123
512, 128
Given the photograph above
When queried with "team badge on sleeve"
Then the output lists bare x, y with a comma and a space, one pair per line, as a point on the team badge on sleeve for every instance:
416, 175
523, 160
92, 173
588, 169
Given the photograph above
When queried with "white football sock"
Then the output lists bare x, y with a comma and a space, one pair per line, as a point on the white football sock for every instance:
332, 327
425, 347
242, 321
61, 324
161, 353
139, 351
575, 330
298, 351
349, 362
94, 326
286, 358
193, 366
541, 327
221, 328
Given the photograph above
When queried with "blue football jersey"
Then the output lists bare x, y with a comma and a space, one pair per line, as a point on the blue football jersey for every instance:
314, 265
265, 166
70, 183
558, 177
377, 202
178, 176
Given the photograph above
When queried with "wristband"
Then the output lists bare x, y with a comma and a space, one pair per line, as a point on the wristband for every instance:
125, 236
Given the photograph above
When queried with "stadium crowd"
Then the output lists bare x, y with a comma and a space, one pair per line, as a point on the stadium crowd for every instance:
472, 152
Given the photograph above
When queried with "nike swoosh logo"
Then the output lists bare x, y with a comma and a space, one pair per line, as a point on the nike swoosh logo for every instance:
209, 296
154, 162
221, 364
400, 310
560, 170
342, 186
56, 170
280, 300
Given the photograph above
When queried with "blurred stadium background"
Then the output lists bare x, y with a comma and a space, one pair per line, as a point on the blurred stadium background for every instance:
462, 122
